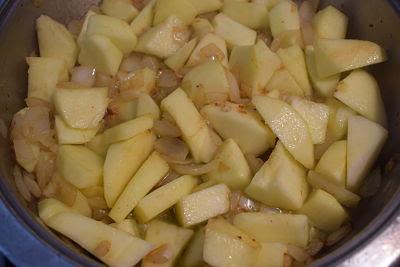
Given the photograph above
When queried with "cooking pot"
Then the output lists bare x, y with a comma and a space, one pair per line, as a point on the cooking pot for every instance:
375, 240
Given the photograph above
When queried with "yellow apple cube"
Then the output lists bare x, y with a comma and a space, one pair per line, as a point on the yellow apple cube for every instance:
205, 6
146, 106
182, 9
271, 255
178, 60
71, 136
283, 84
284, 16
333, 163
120, 9
128, 225
144, 19
193, 254
252, 15
330, 23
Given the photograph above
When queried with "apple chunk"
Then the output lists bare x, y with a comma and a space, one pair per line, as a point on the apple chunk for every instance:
283, 228
289, 127
284, 16
333, 163
112, 246
55, 41
122, 161
70, 136
182, 9
361, 92
81, 108
253, 66
334, 215
252, 15
120, 9
330, 23
282, 84
242, 125
336, 56
192, 125
225, 245
43, 76
210, 47
203, 205
148, 175
271, 255
365, 140
205, 6
144, 19
178, 60
233, 169
193, 254
281, 182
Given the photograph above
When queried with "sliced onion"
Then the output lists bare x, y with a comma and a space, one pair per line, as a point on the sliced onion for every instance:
194, 169
20, 184
169, 178
211, 52
371, 183
175, 161
51, 189
160, 255
102, 248
265, 37
150, 62
25, 152
297, 253
269, 210
133, 81
122, 75
83, 75
255, 163
338, 235
241, 203
173, 148
287, 261
131, 63
45, 168
314, 247
31, 184
164, 128
167, 78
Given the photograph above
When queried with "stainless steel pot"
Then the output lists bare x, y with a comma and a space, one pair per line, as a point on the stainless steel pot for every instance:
28, 243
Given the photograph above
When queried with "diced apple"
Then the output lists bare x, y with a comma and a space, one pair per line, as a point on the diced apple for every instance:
344, 196
193, 254
232, 169
55, 41
193, 127
79, 166
93, 191
225, 245
333, 163
281, 182
330, 23
336, 56
178, 60
161, 40
294, 61
323, 86
289, 127
148, 175
118, 31
253, 66
147, 106
204, 185
71, 136
128, 225
284, 16
360, 91
206, 83
334, 215
252, 15
81, 205
43, 76
316, 115
243, 125
82, 34
164, 197
233, 32
283, 84
126, 110
210, 47
81, 108
182, 9
173, 237
339, 114
144, 19
112, 246
267, 3
120, 9
201, 27
365, 140
271, 255
283, 228
99, 52
203, 205
122, 161
205, 6
49, 207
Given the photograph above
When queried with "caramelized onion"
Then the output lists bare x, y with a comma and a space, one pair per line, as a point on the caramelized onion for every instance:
32, 186
83, 75
338, 235
194, 169
164, 128
167, 78
160, 255
173, 148
307, 12
297, 253
45, 168
131, 63
150, 62
20, 184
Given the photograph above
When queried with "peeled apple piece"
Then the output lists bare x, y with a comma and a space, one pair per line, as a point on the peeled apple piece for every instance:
193, 254
252, 15
210, 47
120, 9
365, 140
144, 19
227, 246
289, 127
282, 83
128, 225
55, 41
178, 60
71, 136
205, 6
164, 39
43, 76
330, 23
81, 108
333, 163
336, 56
182, 9
284, 16
334, 215
243, 125
339, 115
79, 166
253, 66
146, 106
112, 246
234, 33
118, 31
82, 34
271, 255
99, 52
360, 91
122, 161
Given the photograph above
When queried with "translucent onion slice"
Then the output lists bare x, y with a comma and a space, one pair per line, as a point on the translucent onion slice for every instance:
194, 169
